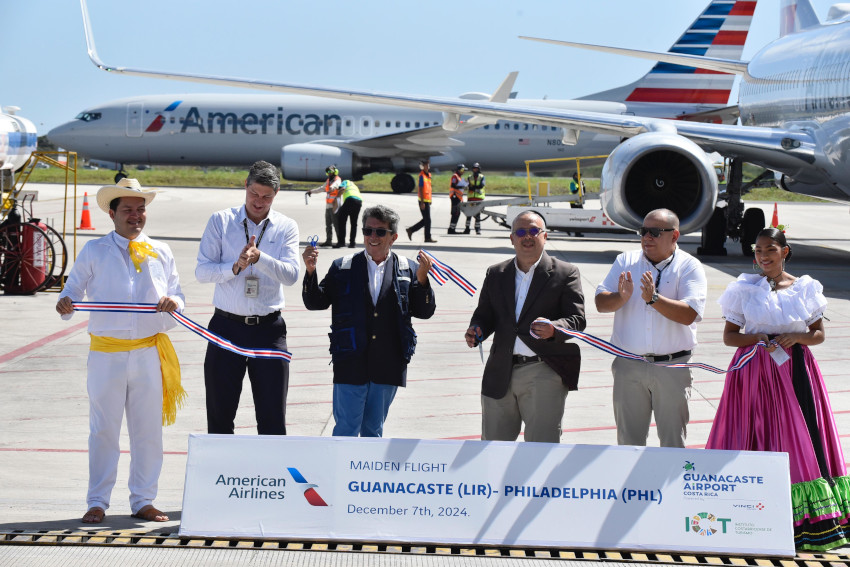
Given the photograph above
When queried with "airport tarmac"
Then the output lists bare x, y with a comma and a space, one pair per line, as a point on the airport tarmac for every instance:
44, 413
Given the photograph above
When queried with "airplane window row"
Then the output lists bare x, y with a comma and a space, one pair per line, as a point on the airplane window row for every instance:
518, 126
348, 123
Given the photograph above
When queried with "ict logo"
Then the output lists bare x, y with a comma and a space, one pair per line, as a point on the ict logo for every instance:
706, 524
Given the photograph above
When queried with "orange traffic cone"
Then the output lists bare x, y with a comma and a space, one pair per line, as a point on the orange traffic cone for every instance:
775, 222
85, 220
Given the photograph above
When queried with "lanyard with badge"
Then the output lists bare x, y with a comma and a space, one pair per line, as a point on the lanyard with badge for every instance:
252, 282
667, 265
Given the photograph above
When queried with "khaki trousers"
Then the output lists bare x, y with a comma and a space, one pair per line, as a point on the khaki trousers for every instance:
640, 389
536, 396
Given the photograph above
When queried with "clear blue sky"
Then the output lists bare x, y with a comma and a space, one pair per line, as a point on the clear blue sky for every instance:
438, 47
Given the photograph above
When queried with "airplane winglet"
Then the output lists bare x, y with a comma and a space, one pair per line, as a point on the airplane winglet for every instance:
90, 48
503, 93
711, 63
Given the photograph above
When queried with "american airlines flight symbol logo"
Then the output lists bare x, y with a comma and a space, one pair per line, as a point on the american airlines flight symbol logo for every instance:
159, 121
309, 489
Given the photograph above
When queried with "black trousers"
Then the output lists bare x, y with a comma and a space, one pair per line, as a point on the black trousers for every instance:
224, 372
426, 221
455, 211
350, 209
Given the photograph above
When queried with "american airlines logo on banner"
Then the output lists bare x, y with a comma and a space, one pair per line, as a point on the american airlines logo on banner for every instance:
309, 489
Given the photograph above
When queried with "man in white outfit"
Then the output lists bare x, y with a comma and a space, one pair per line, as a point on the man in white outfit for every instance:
131, 358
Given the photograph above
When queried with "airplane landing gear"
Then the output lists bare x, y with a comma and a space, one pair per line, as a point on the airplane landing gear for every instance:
750, 227
403, 183
713, 239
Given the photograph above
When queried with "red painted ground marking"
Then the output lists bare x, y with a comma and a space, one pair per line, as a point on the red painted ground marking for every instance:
41, 342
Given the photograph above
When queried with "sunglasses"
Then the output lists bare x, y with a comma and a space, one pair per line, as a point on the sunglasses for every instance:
381, 232
533, 231
654, 231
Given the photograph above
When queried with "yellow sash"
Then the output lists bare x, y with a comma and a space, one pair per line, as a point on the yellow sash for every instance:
139, 252
173, 394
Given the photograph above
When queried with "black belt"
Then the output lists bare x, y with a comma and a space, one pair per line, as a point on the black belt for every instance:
520, 359
249, 319
666, 357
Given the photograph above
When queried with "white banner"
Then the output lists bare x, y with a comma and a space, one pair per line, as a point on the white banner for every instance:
476, 492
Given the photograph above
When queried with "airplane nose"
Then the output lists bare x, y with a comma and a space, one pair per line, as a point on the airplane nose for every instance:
62, 135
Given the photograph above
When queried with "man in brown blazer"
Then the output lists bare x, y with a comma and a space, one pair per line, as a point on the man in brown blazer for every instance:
526, 379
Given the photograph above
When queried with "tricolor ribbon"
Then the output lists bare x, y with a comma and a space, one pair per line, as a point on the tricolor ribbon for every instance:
605, 346
442, 272
186, 322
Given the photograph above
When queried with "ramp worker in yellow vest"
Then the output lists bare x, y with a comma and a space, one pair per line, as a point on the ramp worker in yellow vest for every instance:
458, 185
350, 209
475, 192
132, 366
424, 202
331, 189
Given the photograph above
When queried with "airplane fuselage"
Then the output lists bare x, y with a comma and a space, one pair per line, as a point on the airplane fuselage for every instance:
227, 130
802, 81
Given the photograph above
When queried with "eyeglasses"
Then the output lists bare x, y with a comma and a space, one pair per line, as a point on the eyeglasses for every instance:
381, 232
533, 231
654, 231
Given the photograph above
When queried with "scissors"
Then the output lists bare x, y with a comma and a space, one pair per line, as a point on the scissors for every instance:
313, 240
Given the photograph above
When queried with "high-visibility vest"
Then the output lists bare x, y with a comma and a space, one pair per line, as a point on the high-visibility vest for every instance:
425, 187
454, 190
349, 189
476, 187
331, 193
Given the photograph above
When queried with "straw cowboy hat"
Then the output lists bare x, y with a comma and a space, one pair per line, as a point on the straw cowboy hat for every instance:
127, 187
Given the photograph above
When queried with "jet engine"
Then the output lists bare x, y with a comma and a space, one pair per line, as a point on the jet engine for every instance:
658, 170
307, 162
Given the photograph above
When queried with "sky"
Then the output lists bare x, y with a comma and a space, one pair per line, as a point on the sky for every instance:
438, 47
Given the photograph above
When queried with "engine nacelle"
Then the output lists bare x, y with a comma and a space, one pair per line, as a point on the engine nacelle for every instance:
307, 162
658, 170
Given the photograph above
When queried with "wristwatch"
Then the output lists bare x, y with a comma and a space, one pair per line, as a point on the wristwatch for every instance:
654, 299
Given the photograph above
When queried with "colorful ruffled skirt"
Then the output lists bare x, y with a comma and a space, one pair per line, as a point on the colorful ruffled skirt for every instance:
786, 409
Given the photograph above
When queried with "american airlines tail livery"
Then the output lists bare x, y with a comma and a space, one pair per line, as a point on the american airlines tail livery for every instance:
305, 133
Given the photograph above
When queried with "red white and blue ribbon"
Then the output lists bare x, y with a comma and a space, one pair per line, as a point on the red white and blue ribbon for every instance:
442, 272
186, 322
605, 346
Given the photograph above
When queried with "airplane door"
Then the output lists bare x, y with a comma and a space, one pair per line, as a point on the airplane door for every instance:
365, 125
134, 119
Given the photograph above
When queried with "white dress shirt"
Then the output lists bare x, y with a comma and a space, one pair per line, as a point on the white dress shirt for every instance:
279, 263
638, 327
103, 272
522, 281
376, 276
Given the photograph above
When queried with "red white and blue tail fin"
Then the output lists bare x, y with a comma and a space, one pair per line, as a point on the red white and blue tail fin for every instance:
719, 34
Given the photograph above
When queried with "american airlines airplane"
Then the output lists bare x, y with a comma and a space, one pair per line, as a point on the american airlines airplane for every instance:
794, 100
305, 134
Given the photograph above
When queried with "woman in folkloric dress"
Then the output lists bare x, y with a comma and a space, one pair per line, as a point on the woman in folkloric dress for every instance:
782, 405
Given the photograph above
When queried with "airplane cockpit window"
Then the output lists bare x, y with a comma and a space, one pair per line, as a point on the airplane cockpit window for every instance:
89, 116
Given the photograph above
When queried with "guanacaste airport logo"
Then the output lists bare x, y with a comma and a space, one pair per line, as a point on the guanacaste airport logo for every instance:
309, 489
706, 524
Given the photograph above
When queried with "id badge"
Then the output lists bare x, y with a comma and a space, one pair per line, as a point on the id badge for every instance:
779, 356
252, 286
